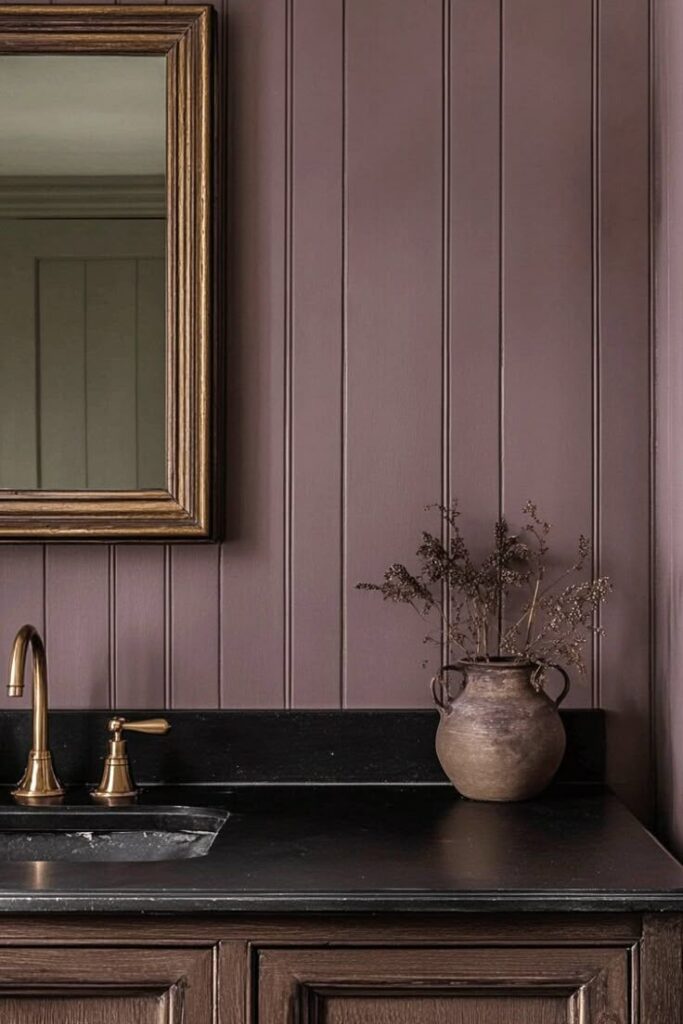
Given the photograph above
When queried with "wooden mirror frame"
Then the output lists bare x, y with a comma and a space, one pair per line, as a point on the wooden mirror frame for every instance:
183, 510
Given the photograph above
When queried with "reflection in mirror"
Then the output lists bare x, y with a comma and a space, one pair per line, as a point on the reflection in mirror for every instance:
82, 272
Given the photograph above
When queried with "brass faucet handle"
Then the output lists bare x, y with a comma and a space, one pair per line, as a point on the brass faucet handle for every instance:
116, 782
155, 726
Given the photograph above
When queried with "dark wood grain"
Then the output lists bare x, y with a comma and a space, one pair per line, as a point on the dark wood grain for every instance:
57, 1007
465, 970
236, 932
106, 986
235, 988
490, 969
661, 970
546, 986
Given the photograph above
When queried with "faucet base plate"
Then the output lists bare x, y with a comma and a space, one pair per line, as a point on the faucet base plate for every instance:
39, 781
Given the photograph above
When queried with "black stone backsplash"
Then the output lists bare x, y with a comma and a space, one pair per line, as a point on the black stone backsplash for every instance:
235, 747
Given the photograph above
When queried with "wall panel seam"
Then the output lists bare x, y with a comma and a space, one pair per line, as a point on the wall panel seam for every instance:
44, 594
501, 266
344, 359
446, 341
168, 627
652, 481
37, 353
288, 355
596, 380
219, 613
86, 428
222, 299
501, 278
111, 571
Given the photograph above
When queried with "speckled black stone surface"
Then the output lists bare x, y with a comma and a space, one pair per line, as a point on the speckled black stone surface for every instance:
376, 848
246, 747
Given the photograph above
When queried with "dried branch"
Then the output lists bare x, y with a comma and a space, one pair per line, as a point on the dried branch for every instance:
469, 597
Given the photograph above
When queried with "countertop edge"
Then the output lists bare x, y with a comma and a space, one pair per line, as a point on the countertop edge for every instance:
188, 904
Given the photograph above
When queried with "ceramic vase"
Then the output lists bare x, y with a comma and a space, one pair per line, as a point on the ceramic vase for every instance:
500, 737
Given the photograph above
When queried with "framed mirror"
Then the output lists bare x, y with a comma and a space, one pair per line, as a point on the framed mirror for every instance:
105, 208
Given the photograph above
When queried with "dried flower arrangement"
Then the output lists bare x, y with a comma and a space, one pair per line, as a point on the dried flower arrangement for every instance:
555, 617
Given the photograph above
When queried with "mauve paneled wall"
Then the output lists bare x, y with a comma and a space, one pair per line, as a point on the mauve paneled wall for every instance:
439, 286
669, 394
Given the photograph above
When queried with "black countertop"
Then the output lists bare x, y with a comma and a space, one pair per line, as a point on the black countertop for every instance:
375, 848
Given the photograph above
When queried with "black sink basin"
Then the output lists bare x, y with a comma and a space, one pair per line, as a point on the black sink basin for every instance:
145, 833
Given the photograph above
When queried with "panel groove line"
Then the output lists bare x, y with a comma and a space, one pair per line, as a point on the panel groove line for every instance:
288, 330
501, 258
652, 385
446, 402
111, 596
596, 453
344, 382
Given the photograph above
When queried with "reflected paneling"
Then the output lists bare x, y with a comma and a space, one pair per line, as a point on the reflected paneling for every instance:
82, 272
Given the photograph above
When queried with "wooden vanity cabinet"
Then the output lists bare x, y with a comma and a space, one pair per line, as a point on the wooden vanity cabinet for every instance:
102, 985
543, 985
397, 969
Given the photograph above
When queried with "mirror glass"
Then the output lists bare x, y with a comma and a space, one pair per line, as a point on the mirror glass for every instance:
82, 272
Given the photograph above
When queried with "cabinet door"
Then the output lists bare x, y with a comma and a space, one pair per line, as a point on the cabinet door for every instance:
444, 986
106, 986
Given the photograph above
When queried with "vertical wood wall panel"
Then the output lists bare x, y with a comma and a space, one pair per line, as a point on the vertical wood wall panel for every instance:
139, 626
150, 385
62, 412
18, 439
668, 264
624, 470
547, 279
77, 625
252, 581
472, 264
110, 319
394, 328
317, 350
21, 602
194, 649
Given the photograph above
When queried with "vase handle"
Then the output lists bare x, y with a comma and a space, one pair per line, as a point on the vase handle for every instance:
565, 688
440, 692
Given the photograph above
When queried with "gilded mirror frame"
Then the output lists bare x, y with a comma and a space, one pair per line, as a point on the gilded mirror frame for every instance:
184, 509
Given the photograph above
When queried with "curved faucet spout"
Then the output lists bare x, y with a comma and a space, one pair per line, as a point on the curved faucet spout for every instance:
39, 780
29, 636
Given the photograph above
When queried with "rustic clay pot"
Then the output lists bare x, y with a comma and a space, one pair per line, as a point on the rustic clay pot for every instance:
501, 738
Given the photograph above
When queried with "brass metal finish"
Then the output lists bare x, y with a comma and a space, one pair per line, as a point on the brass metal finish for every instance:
183, 508
39, 782
116, 782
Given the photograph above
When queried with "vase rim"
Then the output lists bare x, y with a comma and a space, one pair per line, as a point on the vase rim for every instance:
497, 661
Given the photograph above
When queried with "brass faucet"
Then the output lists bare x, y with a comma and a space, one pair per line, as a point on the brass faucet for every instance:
39, 781
117, 782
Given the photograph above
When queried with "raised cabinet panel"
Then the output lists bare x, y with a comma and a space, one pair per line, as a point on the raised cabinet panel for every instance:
435, 986
441, 1008
53, 1007
106, 986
